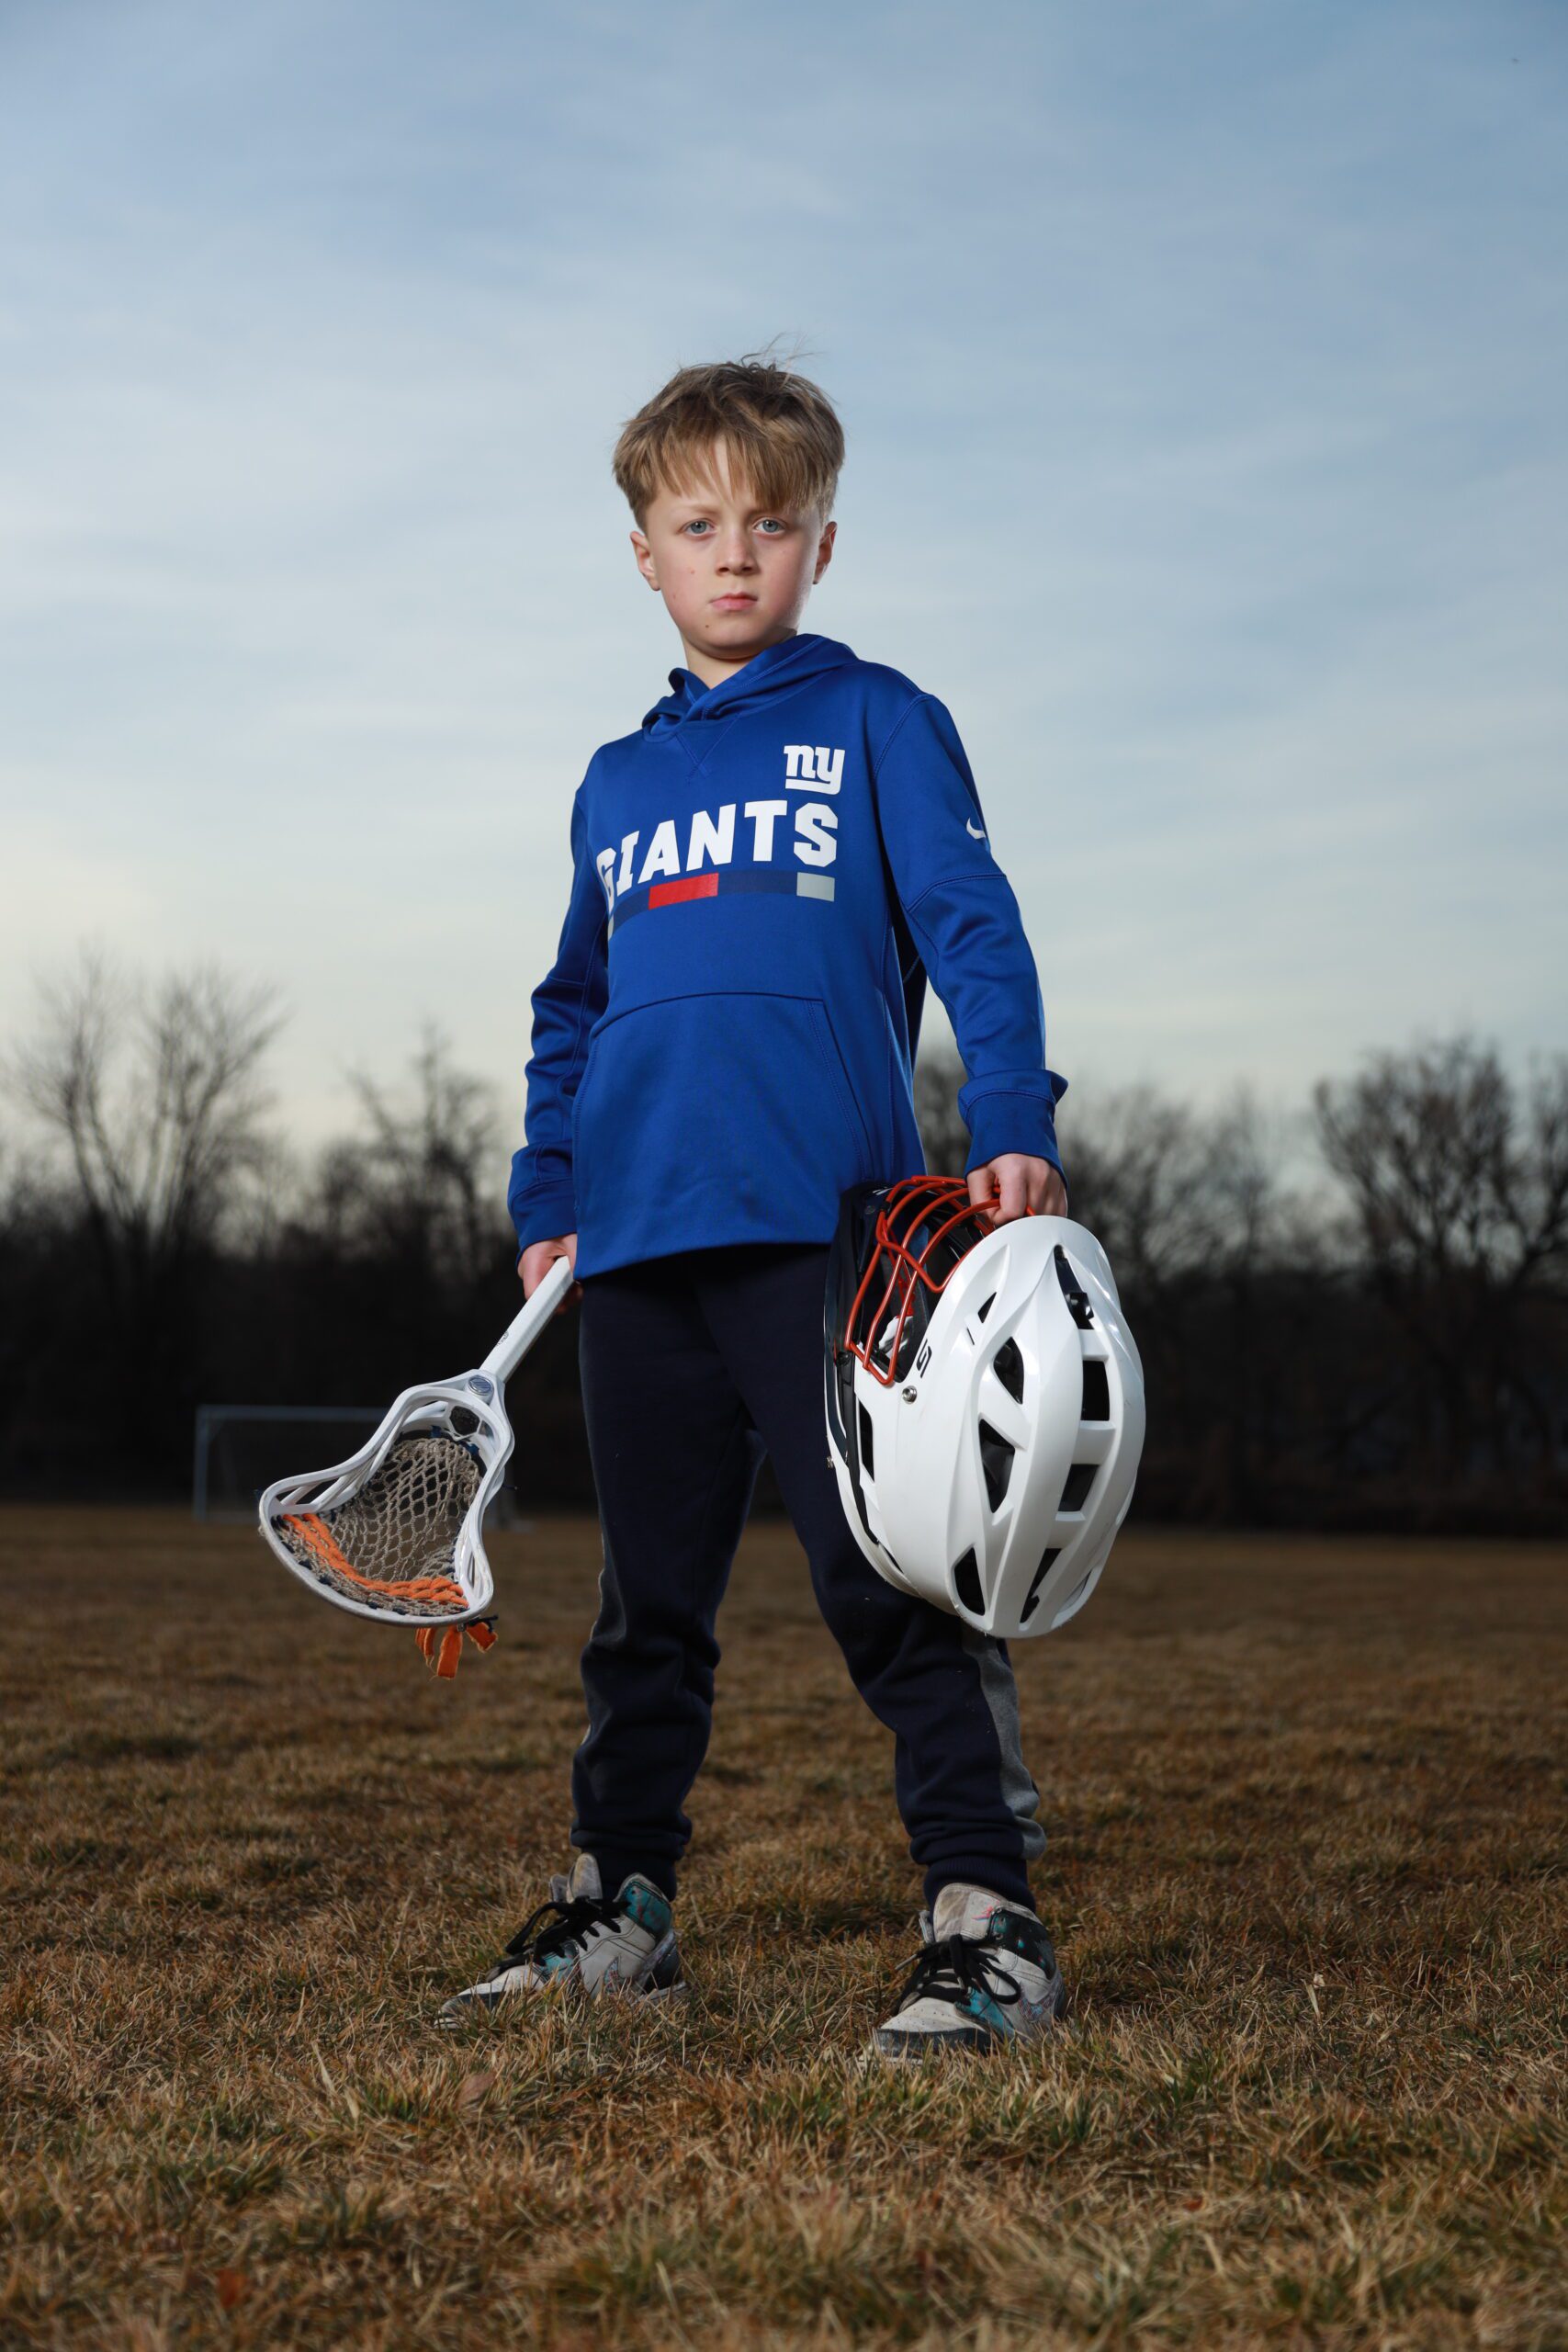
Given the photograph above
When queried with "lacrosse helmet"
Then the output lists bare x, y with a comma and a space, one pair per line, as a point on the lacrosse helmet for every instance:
985, 1402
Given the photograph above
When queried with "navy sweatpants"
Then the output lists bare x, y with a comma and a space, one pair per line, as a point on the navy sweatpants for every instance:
693, 1366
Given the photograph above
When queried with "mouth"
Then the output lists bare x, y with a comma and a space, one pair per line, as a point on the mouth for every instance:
732, 603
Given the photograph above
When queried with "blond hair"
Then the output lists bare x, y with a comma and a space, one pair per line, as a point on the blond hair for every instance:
783, 435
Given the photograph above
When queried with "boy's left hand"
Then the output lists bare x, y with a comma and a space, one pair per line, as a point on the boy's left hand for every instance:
1015, 1182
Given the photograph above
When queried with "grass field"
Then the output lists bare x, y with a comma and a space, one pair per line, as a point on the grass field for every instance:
1306, 1807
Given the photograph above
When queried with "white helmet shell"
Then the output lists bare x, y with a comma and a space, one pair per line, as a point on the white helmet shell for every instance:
984, 1403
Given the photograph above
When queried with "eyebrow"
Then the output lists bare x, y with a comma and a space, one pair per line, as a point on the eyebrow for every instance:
707, 505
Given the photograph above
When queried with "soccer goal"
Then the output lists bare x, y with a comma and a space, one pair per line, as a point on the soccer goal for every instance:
240, 1449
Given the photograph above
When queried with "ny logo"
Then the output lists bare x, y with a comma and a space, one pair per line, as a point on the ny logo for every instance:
814, 764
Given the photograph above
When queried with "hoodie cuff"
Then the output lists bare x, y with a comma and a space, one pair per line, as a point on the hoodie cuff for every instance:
545, 1212
1015, 1112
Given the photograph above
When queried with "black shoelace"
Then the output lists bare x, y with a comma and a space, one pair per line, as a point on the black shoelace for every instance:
571, 1924
947, 1971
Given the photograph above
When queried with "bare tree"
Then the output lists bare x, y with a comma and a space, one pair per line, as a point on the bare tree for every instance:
425, 1184
1195, 1216
25, 1196
939, 1074
1138, 1167
1451, 1170
1167, 1188
155, 1092
1458, 1185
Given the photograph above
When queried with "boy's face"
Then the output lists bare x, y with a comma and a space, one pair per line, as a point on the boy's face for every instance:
734, 575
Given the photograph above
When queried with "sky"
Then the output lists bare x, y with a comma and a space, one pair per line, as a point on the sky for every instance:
1203, 373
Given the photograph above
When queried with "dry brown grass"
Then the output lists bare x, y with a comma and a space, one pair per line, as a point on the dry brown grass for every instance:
1306, 1806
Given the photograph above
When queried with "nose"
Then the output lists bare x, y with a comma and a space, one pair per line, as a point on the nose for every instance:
735, 549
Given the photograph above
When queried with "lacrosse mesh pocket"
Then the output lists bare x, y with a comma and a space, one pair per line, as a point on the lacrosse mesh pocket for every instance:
394, 1538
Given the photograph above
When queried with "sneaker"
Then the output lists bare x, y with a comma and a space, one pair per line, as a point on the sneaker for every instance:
625, 1945
987, 1975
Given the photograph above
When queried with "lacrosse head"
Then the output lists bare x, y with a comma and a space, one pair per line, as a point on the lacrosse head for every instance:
397, 1532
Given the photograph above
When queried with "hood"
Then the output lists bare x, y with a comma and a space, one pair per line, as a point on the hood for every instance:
777, 669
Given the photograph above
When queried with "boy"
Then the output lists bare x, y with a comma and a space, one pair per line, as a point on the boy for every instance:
763, 877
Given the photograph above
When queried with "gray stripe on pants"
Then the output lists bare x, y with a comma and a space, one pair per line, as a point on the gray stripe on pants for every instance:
1001, 1696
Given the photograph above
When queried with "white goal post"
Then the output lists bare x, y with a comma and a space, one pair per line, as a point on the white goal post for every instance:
239, 1449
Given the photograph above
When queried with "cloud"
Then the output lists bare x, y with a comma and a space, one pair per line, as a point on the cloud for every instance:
1199, 367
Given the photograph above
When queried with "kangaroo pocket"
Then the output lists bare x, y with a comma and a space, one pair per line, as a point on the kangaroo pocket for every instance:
714, 1118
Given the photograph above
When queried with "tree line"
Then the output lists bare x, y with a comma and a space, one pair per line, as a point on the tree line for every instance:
1354, 1317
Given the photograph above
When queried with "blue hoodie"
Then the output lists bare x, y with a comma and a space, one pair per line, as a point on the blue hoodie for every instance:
763, 877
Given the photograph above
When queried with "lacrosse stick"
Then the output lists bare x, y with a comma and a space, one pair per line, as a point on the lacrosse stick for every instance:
397, 1532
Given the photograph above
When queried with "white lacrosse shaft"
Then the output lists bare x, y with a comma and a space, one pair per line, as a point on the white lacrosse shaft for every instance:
524, 1328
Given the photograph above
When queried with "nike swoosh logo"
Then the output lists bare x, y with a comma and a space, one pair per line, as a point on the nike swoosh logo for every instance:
973, 831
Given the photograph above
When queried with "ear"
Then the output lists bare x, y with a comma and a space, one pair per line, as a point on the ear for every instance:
825, 550
644, 555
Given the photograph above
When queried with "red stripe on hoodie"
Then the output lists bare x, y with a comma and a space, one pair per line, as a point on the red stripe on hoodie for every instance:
690, 885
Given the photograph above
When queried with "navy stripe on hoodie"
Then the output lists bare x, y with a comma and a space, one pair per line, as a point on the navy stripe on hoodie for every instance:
802, 845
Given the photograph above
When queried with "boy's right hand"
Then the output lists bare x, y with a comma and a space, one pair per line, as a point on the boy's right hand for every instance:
539, 1257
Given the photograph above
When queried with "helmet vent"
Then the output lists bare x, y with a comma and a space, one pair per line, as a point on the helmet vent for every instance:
1048, 1560
1073, 1292
1080, 1478
1096, 1391
867, 1453
995, 1459
1007, 1365
966, 1584
981, 1312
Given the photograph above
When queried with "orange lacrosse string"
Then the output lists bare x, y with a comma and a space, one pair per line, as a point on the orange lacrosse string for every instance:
319, 1538
444, 1655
